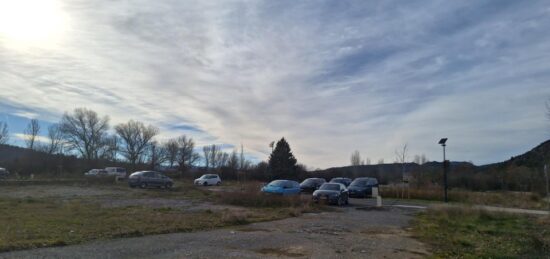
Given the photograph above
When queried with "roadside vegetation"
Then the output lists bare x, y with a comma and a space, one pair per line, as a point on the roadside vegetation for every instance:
524, 200
471, 233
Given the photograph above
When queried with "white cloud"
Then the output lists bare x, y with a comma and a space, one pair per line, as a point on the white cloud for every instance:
331, 77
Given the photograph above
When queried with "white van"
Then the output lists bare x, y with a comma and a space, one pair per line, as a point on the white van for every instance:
118, 172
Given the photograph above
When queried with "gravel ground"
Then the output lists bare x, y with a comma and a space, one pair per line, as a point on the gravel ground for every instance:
350, 233
59, 191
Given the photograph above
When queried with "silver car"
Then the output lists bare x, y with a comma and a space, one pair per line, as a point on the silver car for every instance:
146, 179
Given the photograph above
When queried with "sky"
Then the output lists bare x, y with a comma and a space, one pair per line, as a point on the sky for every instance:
329, 76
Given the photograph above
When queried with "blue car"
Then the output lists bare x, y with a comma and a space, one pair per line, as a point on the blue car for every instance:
282, 187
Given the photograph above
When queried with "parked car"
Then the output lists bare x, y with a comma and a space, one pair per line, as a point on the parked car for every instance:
362, 187
332, 193
118, 172
311, 184
343, 180
96, 172
208, 179
282, 187
4, 173
146, 179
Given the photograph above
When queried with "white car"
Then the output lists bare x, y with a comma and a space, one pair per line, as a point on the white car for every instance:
208, 179
96, 172
118, 172
4, 173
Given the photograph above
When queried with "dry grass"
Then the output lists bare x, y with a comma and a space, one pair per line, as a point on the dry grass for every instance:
463, 232
504, 199
249, 196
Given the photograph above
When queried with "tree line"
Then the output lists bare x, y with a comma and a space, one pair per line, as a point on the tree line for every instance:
88, 135
85, 134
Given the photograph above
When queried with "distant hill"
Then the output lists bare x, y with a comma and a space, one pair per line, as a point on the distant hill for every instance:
535, 158
532, 160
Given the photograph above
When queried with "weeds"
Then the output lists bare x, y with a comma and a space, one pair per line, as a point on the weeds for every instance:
463, 232
505, 199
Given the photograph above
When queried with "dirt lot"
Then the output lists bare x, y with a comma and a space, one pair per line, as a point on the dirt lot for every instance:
349, 232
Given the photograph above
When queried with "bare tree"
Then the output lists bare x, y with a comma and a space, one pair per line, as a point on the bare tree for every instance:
110, 148
31, 132
221, 159
233, 161
172, 149
206, 154
214, 157
136, 138
187, 157
157, 154
356, 158
367, 161
84, 131
242, 159
4, 133
401, 157
55, 139
381, 161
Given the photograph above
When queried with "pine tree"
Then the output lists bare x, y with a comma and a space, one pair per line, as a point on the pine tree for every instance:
282, 163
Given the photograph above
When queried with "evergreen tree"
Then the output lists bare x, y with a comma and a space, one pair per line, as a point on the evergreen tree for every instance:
282, 163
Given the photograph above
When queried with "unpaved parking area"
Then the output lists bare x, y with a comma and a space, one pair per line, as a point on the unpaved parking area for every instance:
350, 233
58, 191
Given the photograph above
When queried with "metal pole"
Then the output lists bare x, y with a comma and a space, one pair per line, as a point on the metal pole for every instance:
546, 175
445, 173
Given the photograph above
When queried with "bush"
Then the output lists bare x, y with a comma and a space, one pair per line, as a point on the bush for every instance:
250, 196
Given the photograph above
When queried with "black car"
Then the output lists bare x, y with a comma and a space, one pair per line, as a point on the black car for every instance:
343, 180
362, 187
146, 179
332, 193
311, 184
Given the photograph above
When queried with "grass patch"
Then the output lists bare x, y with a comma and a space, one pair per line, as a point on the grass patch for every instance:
470, 233
505, 199
33, 223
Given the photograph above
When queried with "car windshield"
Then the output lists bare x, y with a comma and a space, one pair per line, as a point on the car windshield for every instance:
278, 183
330, 187
309, 181
359, 183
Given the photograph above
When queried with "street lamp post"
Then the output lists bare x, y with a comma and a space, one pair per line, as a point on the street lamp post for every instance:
443, 142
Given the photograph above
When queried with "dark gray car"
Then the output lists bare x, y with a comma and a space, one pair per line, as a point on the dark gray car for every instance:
146, 179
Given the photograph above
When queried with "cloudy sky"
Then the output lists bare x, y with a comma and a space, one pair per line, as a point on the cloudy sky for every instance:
330, 76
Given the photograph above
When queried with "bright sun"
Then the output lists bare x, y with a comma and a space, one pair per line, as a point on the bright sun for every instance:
31, 22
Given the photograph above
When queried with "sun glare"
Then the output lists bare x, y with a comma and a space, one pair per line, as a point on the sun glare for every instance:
26, 23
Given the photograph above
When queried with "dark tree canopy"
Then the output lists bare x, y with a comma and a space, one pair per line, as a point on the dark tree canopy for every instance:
282, 163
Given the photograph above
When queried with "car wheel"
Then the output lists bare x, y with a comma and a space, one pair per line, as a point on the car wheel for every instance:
346, 202
218, 183
143, 185
168, 186
205, 184
340, 201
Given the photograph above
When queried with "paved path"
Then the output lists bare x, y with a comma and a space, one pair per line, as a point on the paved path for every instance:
422, 206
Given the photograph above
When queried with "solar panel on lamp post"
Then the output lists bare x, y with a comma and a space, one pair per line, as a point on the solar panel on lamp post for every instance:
443, 142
